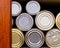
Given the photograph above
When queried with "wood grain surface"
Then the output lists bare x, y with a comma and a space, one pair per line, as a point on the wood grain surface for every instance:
5, 23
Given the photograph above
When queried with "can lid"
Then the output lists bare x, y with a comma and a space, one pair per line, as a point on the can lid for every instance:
33, 7
17, 38
53, 38
58, 20
24, 22
16, 8
45, 20
34, 38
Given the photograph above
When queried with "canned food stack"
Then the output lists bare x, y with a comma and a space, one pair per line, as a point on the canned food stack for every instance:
34, 26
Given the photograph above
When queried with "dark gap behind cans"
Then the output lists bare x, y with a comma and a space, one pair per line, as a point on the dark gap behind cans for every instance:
53, 7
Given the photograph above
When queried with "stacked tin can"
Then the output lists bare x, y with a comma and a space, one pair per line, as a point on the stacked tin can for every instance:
32, 22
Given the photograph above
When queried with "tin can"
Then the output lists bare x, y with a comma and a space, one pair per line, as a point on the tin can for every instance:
45, 20
34, 38
53, 38
58, 20
24, 22
33, 7
16, 8
17, 38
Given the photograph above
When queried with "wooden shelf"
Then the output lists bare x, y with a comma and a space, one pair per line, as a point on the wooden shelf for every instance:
5, 23
43, 1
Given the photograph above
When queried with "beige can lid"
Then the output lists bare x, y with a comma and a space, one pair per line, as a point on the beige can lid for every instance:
58, 20
17, 38
53, 38
45, 20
